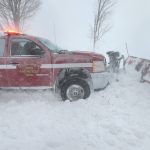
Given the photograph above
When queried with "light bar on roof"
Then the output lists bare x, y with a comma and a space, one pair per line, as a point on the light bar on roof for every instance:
12, 32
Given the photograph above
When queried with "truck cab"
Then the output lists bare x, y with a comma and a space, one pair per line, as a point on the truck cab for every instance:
32, 62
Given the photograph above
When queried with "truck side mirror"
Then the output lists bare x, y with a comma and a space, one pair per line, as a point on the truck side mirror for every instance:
37, 51
42, 52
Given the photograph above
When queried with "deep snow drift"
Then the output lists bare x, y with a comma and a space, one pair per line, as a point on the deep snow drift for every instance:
117, 118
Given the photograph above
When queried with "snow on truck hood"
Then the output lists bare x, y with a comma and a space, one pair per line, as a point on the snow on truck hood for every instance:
62, 52
78, 56
92, 54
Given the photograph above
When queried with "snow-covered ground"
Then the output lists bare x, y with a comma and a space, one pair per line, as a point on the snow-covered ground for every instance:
117, 118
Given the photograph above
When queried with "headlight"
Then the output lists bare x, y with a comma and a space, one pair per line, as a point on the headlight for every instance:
98, 66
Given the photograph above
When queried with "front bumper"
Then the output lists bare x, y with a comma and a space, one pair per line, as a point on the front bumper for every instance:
100, 80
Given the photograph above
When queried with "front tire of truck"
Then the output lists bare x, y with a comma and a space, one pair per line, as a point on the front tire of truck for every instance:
75, 89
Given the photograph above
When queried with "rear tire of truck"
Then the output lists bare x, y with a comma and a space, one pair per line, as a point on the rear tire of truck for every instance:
75, 89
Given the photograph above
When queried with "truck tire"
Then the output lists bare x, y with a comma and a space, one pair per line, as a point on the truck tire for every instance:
75, 89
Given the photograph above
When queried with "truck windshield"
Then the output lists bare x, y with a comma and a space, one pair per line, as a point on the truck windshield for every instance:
52, 47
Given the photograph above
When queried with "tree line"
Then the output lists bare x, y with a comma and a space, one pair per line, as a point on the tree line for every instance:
15, 13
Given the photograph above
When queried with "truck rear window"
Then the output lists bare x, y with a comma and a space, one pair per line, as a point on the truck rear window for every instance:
2, 47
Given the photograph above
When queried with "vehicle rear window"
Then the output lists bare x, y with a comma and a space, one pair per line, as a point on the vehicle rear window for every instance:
2, 47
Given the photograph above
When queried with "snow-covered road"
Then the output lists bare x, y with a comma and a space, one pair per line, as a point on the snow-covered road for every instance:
117, 118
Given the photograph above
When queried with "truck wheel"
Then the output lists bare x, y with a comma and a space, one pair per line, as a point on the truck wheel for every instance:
75, 89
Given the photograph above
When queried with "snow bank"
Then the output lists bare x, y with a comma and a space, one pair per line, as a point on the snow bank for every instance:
117, 118
141, 65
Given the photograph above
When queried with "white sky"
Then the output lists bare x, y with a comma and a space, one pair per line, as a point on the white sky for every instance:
70, 21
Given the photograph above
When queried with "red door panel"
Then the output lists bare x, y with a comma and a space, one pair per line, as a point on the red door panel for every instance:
3, 75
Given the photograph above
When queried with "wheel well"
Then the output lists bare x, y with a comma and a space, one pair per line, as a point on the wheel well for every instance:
66, 74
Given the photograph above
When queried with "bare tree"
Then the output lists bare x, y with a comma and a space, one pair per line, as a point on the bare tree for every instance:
14, 13
101, 26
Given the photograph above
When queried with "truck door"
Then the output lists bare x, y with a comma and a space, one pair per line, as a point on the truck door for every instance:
28, 61
3, 75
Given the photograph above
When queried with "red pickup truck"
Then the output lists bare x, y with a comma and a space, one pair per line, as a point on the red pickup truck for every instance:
33, 62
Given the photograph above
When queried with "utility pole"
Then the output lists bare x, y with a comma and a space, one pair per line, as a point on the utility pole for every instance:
127, 49
54, 30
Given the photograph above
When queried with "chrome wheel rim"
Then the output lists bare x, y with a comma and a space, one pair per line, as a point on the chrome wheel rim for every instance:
75, 92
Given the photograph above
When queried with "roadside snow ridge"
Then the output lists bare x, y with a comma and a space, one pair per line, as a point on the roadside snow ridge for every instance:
117, 118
